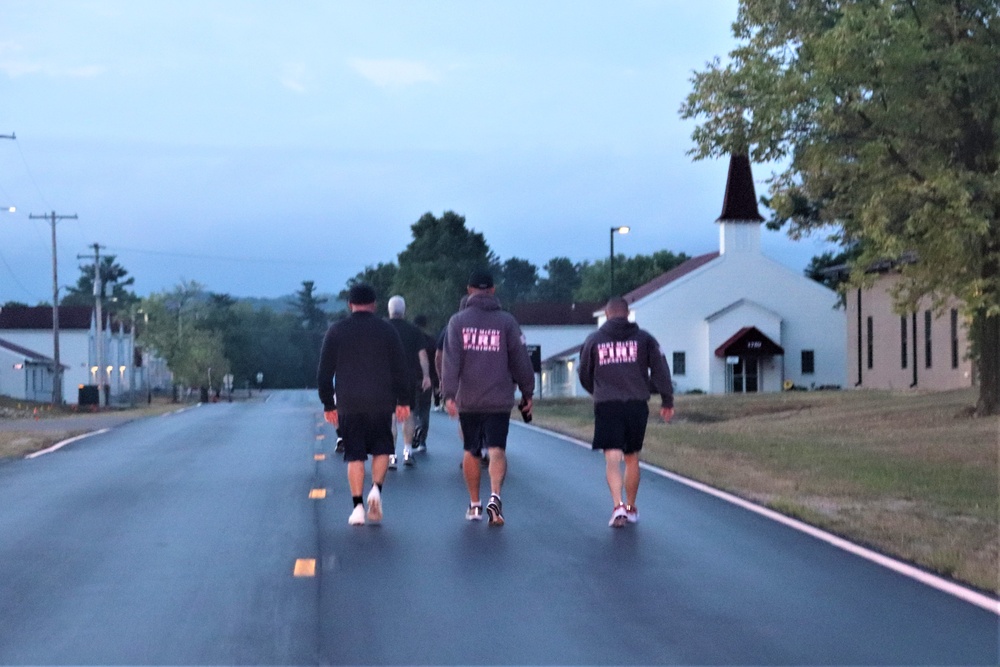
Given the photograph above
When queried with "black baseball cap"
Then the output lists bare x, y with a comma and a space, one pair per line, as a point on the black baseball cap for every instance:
361, 294
481, 279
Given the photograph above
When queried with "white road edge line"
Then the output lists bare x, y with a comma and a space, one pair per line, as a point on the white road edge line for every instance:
63, 443
905, 569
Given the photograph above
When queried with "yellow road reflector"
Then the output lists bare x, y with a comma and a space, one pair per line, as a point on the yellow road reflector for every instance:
305, 567
317, 493
319, 457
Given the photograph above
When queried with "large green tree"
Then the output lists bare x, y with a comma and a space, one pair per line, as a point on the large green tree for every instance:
380, 276
434, 268
181, 331
561, 281
517, 281
885, 119
114, 287
313, 322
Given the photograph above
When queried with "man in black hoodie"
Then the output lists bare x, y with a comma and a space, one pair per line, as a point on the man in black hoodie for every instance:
365, 356
617, 364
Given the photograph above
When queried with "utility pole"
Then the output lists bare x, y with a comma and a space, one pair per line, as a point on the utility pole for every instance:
99, 317
57, 393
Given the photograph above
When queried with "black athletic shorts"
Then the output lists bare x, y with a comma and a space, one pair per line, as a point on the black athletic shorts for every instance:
620, 425
484, 428
366, 434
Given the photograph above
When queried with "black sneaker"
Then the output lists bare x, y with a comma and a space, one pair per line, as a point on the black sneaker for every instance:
494, 509
340, 445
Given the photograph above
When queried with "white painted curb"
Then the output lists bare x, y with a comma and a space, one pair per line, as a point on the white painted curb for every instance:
62, 443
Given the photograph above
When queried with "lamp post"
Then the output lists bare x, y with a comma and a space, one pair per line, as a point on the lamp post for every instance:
619, 230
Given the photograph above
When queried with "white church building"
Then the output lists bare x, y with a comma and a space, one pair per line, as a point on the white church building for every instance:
737, 321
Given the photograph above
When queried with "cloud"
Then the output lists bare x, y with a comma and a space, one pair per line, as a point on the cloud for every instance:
392, 73
16, 68
295, 77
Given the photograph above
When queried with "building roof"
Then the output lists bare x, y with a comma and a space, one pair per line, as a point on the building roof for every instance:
29, 355
40, 317
740, 202
568, 353
670, 276
748, 341
740, 303
550, 313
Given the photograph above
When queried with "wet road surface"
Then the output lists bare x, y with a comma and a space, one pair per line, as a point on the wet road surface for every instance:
174, 540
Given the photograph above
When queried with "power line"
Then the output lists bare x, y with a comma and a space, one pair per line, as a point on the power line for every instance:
14, 278
258, 260
31, 176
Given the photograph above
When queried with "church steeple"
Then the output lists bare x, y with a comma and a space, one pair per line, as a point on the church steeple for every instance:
740, 219
740, 203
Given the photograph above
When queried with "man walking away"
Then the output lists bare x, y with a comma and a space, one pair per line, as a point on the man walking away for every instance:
418, 368
484, 358
617, 364
363, 379
426, 396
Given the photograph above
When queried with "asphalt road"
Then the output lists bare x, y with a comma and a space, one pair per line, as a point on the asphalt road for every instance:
172, 541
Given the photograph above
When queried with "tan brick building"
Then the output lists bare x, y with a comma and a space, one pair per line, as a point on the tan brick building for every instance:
925, 349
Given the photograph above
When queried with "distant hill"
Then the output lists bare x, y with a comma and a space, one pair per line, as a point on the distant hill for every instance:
286, 304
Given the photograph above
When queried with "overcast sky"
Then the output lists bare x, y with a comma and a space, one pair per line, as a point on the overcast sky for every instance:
252, 145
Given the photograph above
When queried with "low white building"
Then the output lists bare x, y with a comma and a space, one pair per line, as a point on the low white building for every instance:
27, 331
736, 321
25, 374
558, 330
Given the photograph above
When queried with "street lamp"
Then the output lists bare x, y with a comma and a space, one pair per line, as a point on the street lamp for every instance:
620, 230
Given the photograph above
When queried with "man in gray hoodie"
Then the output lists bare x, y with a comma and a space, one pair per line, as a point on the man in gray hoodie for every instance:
484, 358
617, 364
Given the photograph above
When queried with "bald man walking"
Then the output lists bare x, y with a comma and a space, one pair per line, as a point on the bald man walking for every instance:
617, 363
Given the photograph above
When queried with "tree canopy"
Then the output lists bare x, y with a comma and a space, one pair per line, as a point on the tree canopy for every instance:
114, 286
630, 272
885, 119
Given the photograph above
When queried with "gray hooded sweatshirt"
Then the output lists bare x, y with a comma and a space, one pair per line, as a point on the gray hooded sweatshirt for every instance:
484, 358
619, 361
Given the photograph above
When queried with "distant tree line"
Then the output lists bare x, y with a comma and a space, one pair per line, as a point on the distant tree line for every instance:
204, 335
431, 272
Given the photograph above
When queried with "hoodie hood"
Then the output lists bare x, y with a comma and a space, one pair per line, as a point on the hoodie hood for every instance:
619, 328
483, 301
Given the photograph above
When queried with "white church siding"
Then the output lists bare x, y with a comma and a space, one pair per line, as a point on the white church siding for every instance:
726, 322
700, 305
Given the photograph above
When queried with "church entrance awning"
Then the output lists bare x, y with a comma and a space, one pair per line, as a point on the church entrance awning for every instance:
749, 342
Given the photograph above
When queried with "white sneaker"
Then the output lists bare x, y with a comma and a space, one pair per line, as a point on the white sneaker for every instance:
407, 457
357, 517
619, 517
632, 513
392, 461
374, 505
